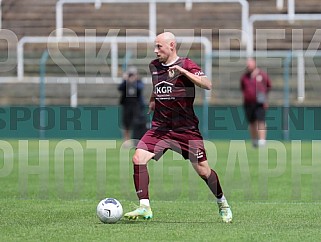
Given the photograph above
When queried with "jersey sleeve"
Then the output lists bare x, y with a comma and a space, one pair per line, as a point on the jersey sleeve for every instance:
192, 67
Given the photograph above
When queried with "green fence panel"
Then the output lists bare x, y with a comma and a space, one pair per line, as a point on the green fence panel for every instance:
104, 122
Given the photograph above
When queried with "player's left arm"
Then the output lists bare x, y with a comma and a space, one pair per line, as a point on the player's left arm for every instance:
151, 105
201, 81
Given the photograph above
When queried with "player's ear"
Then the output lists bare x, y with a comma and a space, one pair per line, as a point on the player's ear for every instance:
172, 45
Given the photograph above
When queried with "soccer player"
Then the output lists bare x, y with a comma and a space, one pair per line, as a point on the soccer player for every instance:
174, 124
255, 86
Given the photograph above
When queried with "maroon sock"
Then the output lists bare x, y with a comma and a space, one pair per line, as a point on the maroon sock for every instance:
214, 184
141, 180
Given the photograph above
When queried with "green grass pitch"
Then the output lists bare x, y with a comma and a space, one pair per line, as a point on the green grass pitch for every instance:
50, 190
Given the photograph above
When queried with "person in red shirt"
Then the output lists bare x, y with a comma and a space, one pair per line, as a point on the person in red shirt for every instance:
255, 86
174, 124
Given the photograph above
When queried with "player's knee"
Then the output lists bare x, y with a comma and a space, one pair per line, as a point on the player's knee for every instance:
136, 159
203, 170
139, 159
203, 174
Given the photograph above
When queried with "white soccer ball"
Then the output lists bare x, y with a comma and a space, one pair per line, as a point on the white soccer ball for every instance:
109, 210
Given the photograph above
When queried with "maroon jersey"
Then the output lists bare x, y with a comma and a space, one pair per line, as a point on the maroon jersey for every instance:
252, 86
174, 96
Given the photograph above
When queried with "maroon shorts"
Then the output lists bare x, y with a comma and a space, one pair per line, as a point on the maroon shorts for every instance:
189, 143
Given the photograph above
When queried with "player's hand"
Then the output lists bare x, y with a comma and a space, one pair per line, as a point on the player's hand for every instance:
151, 107
176, 70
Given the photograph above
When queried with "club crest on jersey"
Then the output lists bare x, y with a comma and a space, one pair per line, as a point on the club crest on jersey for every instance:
259, 78
171, 73
163, 87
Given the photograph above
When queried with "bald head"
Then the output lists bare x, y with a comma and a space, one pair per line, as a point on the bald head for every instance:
165, 47
168, 37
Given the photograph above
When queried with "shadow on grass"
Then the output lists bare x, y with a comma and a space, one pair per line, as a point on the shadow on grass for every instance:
154, 221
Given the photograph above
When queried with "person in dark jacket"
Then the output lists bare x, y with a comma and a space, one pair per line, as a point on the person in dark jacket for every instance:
132, 102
